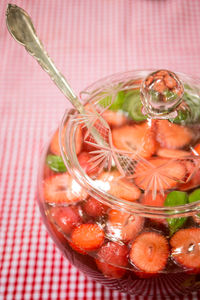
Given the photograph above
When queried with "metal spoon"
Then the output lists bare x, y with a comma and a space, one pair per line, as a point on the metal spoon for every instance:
21, 28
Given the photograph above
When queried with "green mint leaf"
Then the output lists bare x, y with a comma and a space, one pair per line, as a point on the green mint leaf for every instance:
191, 114
56, 163
169, 95
195, 196
117, 103
176, 198
175, 224
133, 105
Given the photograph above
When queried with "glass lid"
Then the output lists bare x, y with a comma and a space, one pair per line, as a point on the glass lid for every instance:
141, 141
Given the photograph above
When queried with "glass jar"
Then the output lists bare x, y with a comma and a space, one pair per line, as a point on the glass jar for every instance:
126, 213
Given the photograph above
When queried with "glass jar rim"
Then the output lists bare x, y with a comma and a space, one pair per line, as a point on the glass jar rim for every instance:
71, 161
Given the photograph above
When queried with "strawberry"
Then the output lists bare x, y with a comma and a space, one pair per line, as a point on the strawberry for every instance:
63, 189
124, 226
149, 252
86, 164
54, 146
197, 148
67, 218
172, 136
87, 237
138, 139
94, 208
172, 153
88, 138
148, 199
76, 248
159, 174
119, 187
114, 119
109, 270
185, 245
193, 176
111, 260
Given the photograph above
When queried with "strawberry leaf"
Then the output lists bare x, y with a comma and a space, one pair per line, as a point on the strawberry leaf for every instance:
176, 198
56, 163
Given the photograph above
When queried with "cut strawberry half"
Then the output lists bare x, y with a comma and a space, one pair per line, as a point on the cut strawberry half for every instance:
76, 248
172, 136
159, 174
87, 237
67, 218
114, 119
172, 153
124, 226
55, 147
63, 189
109, 270
112, 183
112, 259
197, 148
87, 165
137, 139
193, 176
89, 140
159, 200
94, 208
148, 199
185, 245
149, 252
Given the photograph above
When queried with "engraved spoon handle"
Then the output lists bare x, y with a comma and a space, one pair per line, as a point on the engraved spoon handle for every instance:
22, 30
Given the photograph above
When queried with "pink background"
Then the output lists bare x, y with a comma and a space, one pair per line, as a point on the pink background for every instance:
87, 39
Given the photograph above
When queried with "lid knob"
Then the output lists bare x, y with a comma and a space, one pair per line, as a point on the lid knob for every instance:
161, 93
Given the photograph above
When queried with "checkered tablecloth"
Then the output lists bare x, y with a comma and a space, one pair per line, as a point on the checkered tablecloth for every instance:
87, 39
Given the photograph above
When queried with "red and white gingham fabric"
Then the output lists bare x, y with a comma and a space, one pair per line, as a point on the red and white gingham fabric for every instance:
87, 39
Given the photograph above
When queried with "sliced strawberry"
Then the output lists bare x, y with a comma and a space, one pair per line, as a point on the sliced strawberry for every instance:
185, 245
124, 226
197, 148
172, 136
149, 252
55, 148
114, 119
67, 218
159, 174
172, 153
113, 183
63, 189
193, 176
89, 140
94, 208
138, 139
76, 248
159, 200
109, 270
87, 165
112, 258
87, 237
148, 199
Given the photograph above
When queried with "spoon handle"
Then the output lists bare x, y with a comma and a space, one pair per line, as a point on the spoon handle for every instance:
21, 28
